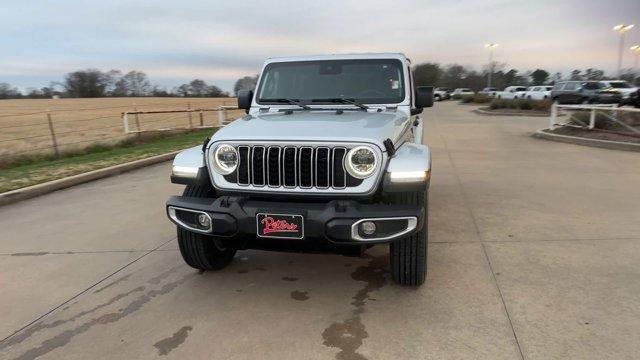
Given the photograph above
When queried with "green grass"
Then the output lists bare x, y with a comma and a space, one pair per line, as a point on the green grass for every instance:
38, 170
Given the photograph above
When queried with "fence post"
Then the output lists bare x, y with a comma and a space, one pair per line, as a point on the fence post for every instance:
201, 118
554, 114
137, 120
53, 134
592, 119
190, 115
125, 121
614, 113
221, 116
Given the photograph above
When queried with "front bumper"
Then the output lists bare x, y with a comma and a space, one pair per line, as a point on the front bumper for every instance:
335, 222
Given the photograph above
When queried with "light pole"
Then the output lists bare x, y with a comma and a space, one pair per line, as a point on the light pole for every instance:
635, 49
490, 47
621, 29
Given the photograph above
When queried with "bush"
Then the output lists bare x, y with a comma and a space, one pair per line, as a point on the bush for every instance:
466, 99
518, 104
541, 105
525, 104
481, 99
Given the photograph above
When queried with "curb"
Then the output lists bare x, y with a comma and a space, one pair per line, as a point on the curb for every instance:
29, 192
486, 112
605, 144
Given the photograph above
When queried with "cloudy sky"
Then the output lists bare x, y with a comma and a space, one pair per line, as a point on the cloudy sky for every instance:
219, 41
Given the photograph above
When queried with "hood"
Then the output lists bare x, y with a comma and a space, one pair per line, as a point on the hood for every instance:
350, 126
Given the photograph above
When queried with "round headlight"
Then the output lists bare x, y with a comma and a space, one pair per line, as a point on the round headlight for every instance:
225, 159
361, 162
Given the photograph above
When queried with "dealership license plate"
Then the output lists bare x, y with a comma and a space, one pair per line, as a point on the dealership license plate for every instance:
282, 226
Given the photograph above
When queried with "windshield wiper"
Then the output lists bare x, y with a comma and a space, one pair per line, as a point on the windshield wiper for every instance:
344, 101
288, 101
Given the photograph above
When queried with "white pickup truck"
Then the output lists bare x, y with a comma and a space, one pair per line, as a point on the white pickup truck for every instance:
510, 92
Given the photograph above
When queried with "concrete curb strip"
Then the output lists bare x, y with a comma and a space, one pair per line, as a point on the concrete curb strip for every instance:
606, 144
13, 196
487, 112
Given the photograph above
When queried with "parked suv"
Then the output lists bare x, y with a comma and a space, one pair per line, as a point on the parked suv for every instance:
329, 157
584, 92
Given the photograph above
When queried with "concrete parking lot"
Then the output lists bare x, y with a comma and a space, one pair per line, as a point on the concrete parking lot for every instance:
534, 254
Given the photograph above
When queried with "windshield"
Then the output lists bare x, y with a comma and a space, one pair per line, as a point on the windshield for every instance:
619, 85
368, 81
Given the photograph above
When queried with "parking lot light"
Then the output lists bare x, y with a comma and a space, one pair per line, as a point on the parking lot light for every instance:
490, 47
636, 50
621, 29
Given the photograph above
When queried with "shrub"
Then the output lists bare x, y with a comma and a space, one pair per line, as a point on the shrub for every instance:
481, 99
519, 104
541, 105
466, 99
525, 104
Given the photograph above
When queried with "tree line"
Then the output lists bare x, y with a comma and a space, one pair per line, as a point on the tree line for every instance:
458, 76
93, 83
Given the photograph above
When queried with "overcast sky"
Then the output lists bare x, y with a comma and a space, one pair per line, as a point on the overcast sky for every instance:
219, 41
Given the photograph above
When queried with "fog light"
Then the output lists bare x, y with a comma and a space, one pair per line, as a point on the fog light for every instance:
204, 221
368, 227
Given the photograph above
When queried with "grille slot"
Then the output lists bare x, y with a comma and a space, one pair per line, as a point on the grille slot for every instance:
290, 167
305, 167
243, 165
257, 166
339, 173
273, 166
322, 167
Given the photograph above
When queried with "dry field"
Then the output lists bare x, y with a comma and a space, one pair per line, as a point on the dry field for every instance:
78, 123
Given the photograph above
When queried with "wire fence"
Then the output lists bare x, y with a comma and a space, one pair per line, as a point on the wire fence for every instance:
609, 118
37, 127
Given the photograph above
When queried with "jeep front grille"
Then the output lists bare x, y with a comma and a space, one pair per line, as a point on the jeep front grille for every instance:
289, 167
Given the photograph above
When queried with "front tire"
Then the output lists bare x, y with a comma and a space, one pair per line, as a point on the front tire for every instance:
408, 255
201, 251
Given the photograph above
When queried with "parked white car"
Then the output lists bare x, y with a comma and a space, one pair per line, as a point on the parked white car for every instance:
441, 93
490, 92
462, 92
541, 92
624, 88
511, 92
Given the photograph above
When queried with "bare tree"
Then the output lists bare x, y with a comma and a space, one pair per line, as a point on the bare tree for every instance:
9, 92
88, 83
245, 83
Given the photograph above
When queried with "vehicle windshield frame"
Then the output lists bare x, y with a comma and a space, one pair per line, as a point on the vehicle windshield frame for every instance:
369, 101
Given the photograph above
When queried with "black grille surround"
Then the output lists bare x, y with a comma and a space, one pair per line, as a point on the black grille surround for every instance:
295, 167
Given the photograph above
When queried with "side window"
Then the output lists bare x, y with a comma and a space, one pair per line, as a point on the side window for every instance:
591, 86
570, 86
558, 86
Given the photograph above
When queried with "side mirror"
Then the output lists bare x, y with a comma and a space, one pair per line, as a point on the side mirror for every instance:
424, 97
244, 99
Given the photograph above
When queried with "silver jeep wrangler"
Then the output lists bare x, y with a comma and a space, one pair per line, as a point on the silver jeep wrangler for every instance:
328, 158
